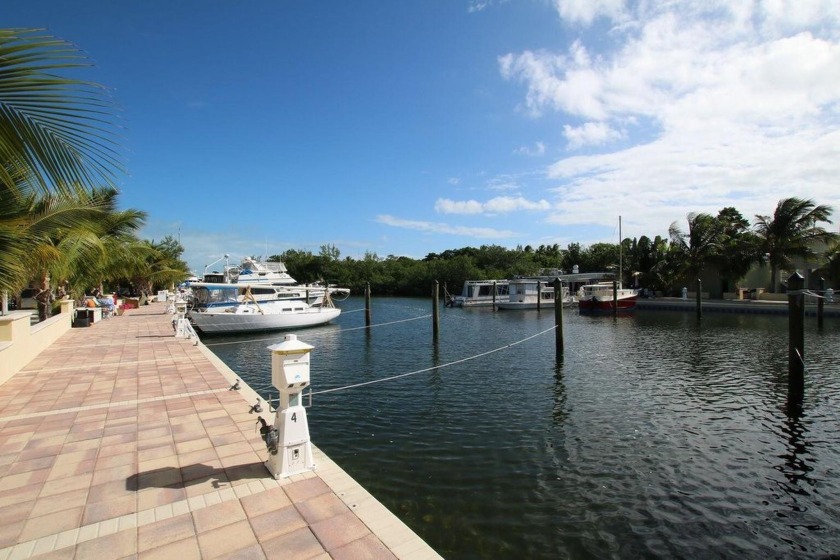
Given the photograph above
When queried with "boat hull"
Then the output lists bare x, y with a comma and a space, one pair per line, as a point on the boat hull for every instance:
216, 322
605, 306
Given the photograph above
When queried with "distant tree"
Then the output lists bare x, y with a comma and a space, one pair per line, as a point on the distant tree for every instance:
738, 246
792, 232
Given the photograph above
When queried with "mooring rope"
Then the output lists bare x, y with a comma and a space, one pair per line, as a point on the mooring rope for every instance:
249, 340
441, 366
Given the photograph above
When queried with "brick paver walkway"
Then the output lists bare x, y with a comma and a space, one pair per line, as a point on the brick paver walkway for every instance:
121, 441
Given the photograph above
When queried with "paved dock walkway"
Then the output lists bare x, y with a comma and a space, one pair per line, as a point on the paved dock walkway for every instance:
121, 441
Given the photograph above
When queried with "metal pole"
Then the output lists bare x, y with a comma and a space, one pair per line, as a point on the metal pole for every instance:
558, 318
435, 311
796, 336
698, 298
367, 304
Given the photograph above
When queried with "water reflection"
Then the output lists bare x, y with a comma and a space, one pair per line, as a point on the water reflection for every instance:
652, 436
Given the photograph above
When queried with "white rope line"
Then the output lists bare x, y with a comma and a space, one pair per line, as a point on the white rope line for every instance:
322, 333
441, 366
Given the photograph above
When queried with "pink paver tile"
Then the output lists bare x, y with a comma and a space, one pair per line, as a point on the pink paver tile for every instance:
66, 484
369, 548
31, 465
166, 450
297, 544
201, 442
116, 545
253, 552
109, 491
322, 507
275, 523
227, 539
241, 459
36, 527
120, 473
9, 533
153, 497
212, 517
340, 530
120, 459
109, 509
28, 478
248, 472
66, 470
166, 532
306, 489
17, 495
59, 502
265, 502
186, 549
64, 553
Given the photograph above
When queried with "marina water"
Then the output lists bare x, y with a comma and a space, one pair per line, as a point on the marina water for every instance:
654, 436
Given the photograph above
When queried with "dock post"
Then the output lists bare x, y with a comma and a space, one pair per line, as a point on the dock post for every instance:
367, 304
494, 295
698, 298
558, 318
796, 337
821, 304
435, 311
539, 296
615, 298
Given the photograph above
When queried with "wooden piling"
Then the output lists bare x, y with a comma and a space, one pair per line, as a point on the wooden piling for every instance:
821, 304
698, 299
367, 304
494, 295
796, 336
435, 310
615, 298
539, 296
558, 318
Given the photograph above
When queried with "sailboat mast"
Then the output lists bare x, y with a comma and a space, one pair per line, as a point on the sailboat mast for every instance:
620, 254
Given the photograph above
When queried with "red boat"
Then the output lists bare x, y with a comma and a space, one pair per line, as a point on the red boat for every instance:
600, 299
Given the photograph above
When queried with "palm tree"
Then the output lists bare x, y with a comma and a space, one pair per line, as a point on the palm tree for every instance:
72, 239
54, 131
57, 139
701, 244
792, 232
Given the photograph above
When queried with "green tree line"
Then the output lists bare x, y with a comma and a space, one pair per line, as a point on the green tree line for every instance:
725, 244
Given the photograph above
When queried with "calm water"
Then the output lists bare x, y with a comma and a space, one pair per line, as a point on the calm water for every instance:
653, 437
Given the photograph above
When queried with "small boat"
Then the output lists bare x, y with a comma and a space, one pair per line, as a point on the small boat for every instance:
477, 293
254, 315
523, 294
598, 299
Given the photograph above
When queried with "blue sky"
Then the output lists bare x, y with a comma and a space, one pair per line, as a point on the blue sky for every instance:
405, 128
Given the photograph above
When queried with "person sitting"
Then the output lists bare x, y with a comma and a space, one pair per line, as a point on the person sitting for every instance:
105, 302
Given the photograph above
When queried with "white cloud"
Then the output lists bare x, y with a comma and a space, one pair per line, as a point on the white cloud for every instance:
590, 134
454, 181
585, 11
537, 150
498, 205
723, 103
438, 227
